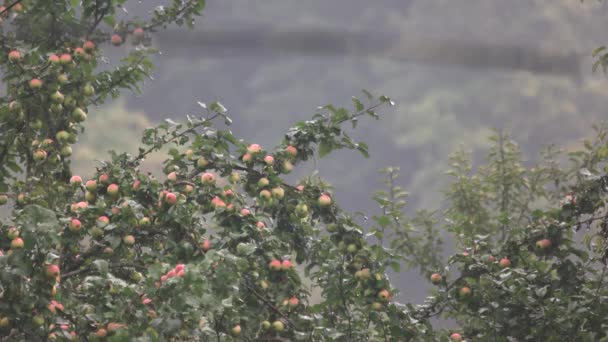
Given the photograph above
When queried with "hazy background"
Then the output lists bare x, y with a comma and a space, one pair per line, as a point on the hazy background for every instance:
450, 97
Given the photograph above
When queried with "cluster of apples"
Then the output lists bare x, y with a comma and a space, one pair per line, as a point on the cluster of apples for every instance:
16, 9
178, 271
281, 162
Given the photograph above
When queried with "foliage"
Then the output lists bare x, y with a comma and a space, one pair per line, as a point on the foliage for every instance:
223, 247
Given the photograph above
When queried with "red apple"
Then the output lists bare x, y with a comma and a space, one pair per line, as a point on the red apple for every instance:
292, 151
103, 178
138, 33
170, 198
246, 158
14, 56
136, 184
254, 148
293, 302
208, 178
456, 337
17, 243
286, 265
88, 45
464, 292
236, 330
76, 180
101, 332
35, 83
40, 155
269, 160
260, 225
54, 59
75, 225
275, 265
245, 212
324, 200
79, 52
52, 271
543, 244
384, 295
91, 185
436, 278
504, 262
206, 245
103, 221
172, 177
116, 40
113, 189
129, 240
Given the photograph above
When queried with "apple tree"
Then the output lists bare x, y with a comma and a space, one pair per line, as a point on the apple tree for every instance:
223, 247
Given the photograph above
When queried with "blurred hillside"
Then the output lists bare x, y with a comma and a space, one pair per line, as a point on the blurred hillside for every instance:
439, 107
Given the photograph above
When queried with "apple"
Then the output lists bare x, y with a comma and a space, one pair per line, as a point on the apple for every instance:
246, 158
17, 243
75, 225
138, 33
170, 198
38, 320
254, 148
269, 160
18, 7
12, 233
436, 278
79, 115
543, 244
79, 52
263, 182
208, 178
56, 108
278, 326
76, 180
116, 40
464, 292
384, 295
14, 56
301, 210
136, 185
217, 202
103, 178
206, 245
52, 271
265, 194
234, 177
65, 151
264, 284
103, 221
324, 200
88, 90
260, 225
352, 248
35, 83
490, 258
21, 198
245, 212
504, 262
3, 199
113, 326
4, 322
65, 59
278, 192
172, 177
286, 265
113, 189
202, 163
300, 188
292, 151
144, 221
54, 59
376, 306
129, 240
40, 155
236, 330
275, 265
456, 337
88, 45
265, 325
293, 302
101, 332
287, 166
91, 185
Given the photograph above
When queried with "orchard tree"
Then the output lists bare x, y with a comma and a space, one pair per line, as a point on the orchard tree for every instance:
224, 248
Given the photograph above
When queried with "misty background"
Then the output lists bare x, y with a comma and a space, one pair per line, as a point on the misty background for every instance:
456, 69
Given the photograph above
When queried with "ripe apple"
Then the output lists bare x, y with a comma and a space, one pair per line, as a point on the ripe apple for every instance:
278, 326
245, 212
91, 185
14, 56
464, 292
79, 52
384, 295
269, 160
260, 225
138, 33
136, 185
116, 40
504, 262
35, 84
275, 265
324, 200
206, 245
293, 302
436, 278
75, 225
265, 194
292, 151
236, 330
65, 59
52, 271
113, 189
247, 158
103, 178
208, 178
17, 243
4, 322
129, 240
88, 45
543, 244
54, 59
76, 180
101, 332
263, 182
456, 337
103, 221
172, 177
3, 199
40, 155
170, 198
286, 265
278, 192
254, 148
